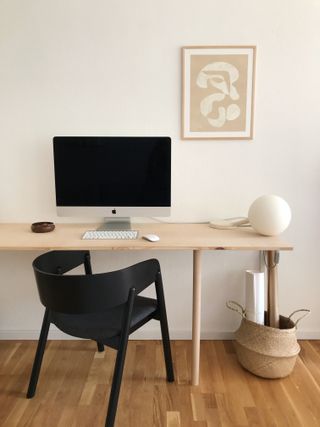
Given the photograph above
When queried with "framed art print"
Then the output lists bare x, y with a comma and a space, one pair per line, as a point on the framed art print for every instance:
218, 92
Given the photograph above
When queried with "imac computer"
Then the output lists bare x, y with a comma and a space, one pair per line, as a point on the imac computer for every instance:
112, 177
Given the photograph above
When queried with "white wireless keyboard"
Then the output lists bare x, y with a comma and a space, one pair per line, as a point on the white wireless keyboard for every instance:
110, 235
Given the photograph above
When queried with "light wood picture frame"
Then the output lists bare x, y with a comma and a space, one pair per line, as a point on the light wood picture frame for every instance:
218, 92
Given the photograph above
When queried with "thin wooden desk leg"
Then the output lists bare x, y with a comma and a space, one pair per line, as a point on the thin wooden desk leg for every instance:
272, 271
196, 316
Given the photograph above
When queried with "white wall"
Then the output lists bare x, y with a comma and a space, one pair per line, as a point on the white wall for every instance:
109, 67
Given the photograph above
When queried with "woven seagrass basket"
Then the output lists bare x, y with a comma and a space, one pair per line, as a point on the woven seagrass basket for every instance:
264, 351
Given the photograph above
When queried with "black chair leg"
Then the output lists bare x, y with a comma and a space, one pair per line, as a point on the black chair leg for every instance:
88, 271
167, 349
164, 329
39, 355
116, 384
119, 365
100, 347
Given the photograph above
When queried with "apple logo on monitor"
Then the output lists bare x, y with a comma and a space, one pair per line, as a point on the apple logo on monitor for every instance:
114, 211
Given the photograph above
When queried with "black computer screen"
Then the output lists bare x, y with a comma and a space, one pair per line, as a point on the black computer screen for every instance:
112, 171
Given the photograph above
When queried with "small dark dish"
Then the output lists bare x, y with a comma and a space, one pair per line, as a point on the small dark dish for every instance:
42, 227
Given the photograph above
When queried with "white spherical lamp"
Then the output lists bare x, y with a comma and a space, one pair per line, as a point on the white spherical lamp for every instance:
269, 215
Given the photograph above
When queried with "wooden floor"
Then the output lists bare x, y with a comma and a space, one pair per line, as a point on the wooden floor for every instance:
74, 386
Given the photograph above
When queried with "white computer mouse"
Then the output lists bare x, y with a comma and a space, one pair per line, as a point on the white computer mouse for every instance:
151, 237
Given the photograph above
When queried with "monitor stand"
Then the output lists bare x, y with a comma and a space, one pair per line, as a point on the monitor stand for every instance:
116, 224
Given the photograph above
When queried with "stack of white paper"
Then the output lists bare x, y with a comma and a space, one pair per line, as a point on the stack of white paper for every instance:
255, 296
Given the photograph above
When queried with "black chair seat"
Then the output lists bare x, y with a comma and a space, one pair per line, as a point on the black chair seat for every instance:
101, 326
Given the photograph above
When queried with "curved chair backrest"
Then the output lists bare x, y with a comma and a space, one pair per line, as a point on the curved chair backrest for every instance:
90, 293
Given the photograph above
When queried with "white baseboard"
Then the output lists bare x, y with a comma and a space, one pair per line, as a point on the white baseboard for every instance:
141, 335
138, 335
308, 335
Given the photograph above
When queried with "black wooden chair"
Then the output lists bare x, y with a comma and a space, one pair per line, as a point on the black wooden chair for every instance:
103, 307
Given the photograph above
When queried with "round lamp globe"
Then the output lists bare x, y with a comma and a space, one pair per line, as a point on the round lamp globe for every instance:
269, 215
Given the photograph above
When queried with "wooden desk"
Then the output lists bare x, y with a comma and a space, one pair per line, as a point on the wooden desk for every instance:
195, 237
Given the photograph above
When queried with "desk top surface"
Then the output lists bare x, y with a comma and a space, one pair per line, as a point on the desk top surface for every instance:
172, 237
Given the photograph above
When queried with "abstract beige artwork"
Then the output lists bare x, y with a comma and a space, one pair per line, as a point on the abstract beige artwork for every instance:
218, 89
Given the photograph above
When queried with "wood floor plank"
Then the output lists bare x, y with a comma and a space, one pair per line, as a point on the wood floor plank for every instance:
310, 357
211, 378
284, 413
10, 354
180, 355
302, 385
237, 395
173, 419
75, 381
